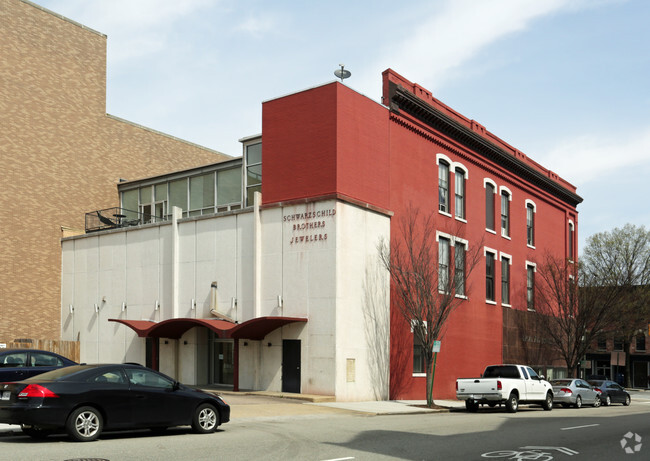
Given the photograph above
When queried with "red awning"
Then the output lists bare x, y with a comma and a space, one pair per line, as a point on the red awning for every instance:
258, 328
254, 329
141, 327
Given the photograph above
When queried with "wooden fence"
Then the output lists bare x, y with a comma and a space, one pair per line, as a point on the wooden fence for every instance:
69, 349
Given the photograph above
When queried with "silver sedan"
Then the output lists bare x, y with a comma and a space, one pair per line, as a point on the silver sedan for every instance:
576, 392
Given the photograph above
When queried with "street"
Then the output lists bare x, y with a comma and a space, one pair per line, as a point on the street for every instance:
313, 434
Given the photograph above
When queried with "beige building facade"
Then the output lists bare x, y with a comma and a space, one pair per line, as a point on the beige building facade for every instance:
61, 155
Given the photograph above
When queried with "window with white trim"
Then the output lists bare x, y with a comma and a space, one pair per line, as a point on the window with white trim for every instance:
505, 279
443, 186
571, 241
530, 223
505, 213
489, 276
460, 249
530, 286
459, 193
419, 364
490, 191
443, 263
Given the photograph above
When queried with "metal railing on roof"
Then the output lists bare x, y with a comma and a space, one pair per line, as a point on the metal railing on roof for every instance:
116, 217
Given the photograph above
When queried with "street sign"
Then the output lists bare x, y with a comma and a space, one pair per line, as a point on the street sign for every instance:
436, 346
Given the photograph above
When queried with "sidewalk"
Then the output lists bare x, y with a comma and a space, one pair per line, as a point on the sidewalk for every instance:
276, 404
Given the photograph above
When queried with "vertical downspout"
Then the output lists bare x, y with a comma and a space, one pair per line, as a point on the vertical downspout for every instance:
177, 214
257, 255
235, 378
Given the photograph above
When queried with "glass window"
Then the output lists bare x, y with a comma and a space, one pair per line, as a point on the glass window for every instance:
489, 276
459, 191
443, 264
202, 194
459, 258
38, 359
130, 203
443, 187
15, 359
640, 342
530, 287
253, 171
618, 344
148, 378
505, 280
178, 194
114, 376
418, 350
530, 225
602, 344
571, 241
505, 214
228, 186
489, 206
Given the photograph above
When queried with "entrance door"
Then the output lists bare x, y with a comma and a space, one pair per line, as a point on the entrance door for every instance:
221, 363
291, 365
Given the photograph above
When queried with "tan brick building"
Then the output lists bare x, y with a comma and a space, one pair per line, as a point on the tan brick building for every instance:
61, 156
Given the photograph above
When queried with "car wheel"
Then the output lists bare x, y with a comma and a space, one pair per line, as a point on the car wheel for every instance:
626, 402
35, 432
578, 403
206, 419
84, 424
512, 403
608, 400
548, 403
597, 402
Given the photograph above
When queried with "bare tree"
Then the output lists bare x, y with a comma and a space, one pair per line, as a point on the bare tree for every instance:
574, 304
428, 282
624, 254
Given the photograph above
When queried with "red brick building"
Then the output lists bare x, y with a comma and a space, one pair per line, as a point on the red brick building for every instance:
330, 141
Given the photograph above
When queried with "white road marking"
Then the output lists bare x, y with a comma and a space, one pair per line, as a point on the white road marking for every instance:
579, 427
339, 459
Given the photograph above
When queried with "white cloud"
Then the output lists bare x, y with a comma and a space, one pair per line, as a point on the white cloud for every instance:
257, 26
135, 28
590, 158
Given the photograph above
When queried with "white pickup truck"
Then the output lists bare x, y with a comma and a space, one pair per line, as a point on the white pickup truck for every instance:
509, 384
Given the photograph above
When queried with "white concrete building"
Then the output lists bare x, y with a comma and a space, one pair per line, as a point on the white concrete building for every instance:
301, 283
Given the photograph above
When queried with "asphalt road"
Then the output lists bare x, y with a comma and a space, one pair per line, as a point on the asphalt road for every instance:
561, 434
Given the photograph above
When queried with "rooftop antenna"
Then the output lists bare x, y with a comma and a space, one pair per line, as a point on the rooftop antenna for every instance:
342, 73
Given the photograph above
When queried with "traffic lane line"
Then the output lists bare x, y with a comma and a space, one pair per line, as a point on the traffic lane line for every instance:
578, 427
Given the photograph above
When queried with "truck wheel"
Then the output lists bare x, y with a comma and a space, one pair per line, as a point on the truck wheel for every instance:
548, 403
512, 403
471, 406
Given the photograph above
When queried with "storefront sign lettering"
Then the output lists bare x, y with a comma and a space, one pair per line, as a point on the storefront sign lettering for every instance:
303, 225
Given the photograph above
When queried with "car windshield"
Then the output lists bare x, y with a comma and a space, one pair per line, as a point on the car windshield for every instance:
59, 373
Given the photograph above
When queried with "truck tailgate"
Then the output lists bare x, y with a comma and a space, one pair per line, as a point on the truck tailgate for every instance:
478, 386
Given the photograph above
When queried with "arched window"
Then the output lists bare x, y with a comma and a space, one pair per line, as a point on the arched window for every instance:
443, 186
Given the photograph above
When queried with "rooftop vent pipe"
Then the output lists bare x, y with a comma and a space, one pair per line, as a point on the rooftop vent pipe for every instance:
213, 304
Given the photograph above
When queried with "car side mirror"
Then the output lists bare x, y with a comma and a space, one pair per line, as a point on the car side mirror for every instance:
541, 377
176, 386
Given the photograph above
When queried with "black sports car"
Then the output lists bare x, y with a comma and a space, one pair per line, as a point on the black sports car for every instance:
88, 399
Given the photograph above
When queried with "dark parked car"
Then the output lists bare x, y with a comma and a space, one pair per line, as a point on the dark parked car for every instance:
18, 364
611, 392
88, 399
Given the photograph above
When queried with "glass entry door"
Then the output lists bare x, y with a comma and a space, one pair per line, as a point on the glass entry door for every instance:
221, 364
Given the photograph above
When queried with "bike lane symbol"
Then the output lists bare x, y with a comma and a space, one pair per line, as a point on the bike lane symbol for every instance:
529, 453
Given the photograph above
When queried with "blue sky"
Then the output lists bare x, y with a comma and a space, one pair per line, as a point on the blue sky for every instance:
564, 81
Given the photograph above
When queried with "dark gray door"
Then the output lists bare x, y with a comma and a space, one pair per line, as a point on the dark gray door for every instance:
291, 365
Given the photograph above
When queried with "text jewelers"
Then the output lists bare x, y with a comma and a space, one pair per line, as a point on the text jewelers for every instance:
303, 222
